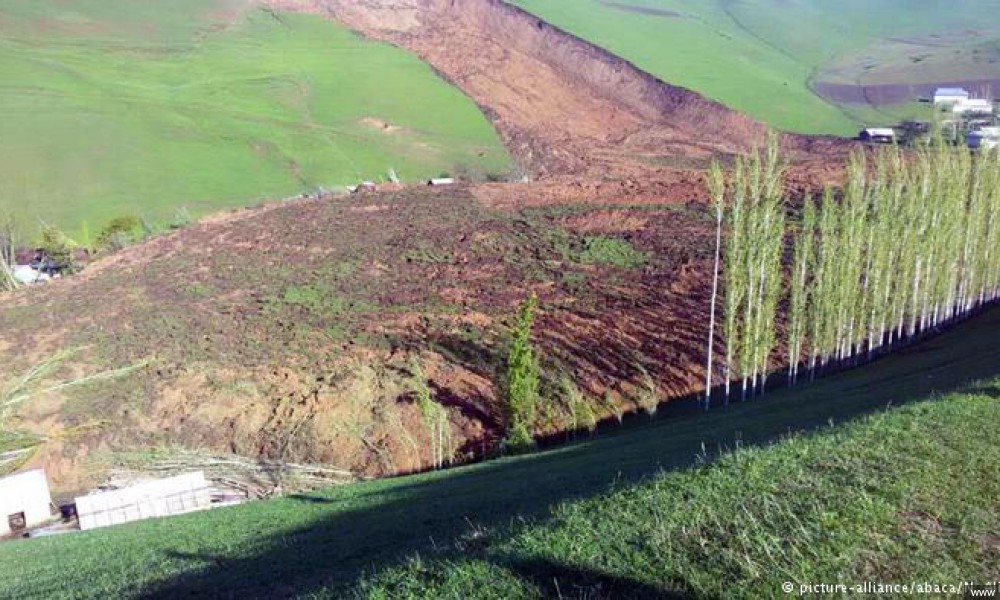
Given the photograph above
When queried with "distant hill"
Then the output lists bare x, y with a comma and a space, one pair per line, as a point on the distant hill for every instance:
122, 107
801, 65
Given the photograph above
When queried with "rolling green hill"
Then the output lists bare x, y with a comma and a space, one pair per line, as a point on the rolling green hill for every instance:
905, 495
765, 57
114, 107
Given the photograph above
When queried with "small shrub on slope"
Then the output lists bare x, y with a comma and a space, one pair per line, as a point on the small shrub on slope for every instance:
520, 385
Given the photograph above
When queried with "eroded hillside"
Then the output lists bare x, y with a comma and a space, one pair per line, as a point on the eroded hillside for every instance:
562, 105
290, 332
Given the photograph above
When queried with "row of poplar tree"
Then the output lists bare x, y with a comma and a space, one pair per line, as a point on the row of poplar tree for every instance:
910, 243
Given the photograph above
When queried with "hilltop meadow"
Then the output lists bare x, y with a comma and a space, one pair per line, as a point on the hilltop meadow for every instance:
136, 108
769, 58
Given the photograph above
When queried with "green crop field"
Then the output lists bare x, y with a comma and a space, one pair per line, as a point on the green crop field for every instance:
864, 489
112, 107
765, 56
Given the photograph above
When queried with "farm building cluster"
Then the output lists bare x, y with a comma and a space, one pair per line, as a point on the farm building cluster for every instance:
961, 118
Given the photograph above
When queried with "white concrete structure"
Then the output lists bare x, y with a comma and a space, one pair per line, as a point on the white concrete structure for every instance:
161, 498
950, 95
973, 106
878, 134
26, 275
986, 138
441, 181
25, 501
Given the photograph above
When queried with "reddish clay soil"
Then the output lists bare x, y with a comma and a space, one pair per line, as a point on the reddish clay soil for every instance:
287, 331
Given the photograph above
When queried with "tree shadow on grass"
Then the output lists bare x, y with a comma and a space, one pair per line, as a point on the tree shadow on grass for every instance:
557, 580
349, 533
988, 391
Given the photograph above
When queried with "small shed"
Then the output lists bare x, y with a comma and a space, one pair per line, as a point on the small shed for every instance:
25, 502
441, 181
159, 498
950, 95
878, 135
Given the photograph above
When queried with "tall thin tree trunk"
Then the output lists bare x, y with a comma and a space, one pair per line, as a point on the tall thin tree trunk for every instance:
715, 293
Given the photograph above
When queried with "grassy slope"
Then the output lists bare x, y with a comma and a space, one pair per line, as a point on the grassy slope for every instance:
903, 497
133, 107
910, 494
757, 56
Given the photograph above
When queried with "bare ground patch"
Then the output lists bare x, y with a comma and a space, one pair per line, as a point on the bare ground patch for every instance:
286, 333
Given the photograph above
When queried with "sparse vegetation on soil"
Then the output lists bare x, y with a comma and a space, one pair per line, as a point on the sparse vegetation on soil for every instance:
320, 306
403, 329
907, 494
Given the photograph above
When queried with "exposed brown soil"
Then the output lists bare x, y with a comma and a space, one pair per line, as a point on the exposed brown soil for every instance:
287, 331
383, 126
562, 105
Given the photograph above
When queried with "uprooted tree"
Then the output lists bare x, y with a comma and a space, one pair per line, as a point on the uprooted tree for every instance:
15, 391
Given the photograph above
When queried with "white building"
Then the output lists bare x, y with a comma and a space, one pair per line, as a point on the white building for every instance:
161, 498
883, 135
986, 138
25, 502
974, 106
950, 95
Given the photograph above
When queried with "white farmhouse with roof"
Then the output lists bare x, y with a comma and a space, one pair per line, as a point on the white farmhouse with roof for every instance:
950, 95
25, 502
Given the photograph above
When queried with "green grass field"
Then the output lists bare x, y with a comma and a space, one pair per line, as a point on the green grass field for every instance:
759, 56
858, 503
862, 490
128, 107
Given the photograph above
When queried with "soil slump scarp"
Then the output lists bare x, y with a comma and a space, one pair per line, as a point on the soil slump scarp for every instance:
561, 104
